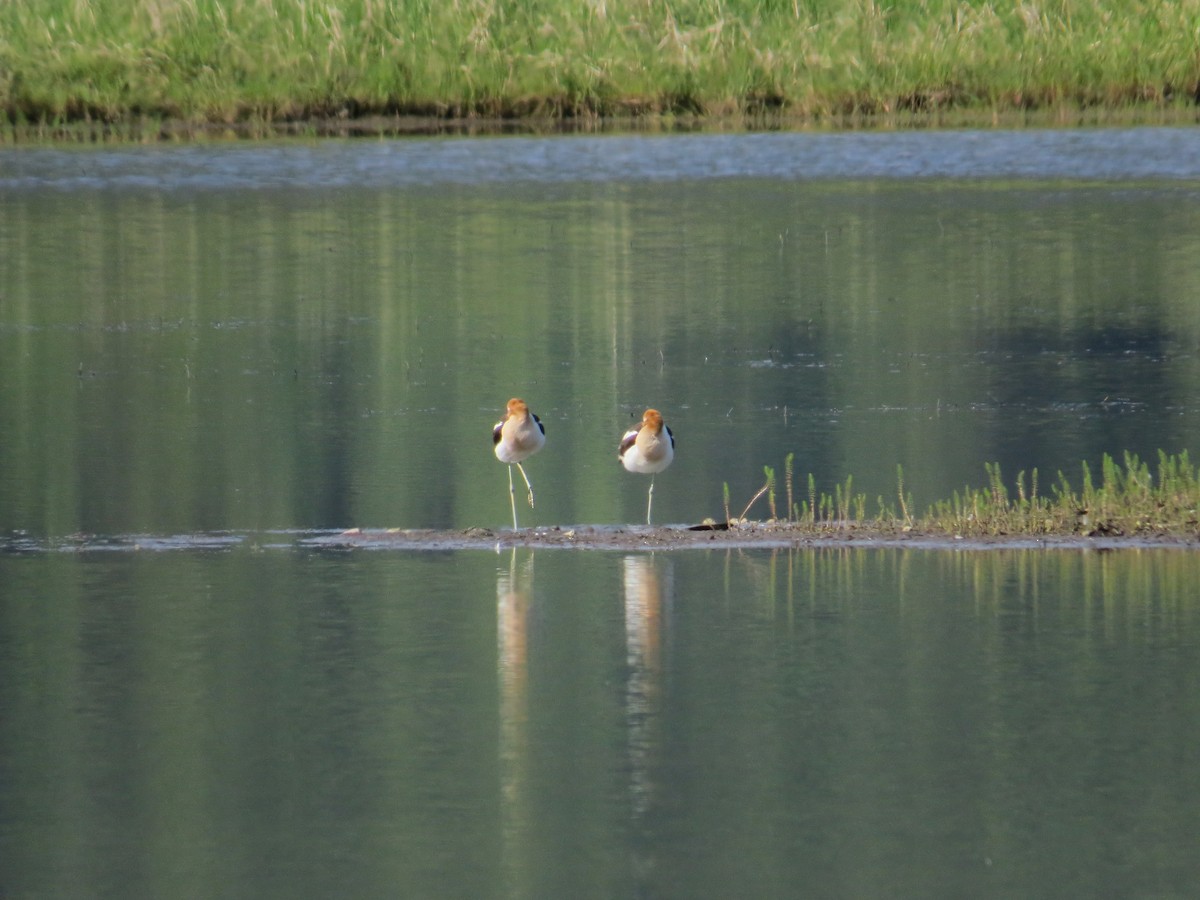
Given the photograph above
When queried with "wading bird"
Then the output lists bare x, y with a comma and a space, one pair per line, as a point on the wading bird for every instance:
647, 449
517, 436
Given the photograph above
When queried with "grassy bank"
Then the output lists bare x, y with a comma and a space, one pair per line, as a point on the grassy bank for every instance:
1123, 499
231, 61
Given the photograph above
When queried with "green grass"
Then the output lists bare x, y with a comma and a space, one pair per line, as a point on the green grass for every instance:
1126, 498
230, 61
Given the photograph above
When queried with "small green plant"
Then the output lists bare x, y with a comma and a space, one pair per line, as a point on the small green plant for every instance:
787, 480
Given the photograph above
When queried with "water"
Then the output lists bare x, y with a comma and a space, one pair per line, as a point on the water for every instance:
312, 336
208, 352
854, 723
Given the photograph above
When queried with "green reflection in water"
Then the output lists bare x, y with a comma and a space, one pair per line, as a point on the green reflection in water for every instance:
272, 721
896, 723
198, 360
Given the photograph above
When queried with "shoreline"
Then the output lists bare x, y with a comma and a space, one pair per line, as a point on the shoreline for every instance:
137, 129
750, 536
623, 538
241, 64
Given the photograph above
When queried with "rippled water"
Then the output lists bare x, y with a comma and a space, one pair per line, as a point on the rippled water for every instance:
1088, 154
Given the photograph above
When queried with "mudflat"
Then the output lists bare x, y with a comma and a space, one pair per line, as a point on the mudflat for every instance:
765, 535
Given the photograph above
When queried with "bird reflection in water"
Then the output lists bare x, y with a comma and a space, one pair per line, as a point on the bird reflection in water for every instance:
514, 598
647, 595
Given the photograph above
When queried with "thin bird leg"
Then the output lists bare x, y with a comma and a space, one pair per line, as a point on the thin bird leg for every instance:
649, 499
512, 498
527, 484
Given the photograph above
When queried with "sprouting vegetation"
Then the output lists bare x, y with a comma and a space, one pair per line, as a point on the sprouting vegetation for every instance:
226, 61
1125, 498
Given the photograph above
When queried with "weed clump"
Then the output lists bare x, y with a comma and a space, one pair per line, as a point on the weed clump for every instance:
1127, 499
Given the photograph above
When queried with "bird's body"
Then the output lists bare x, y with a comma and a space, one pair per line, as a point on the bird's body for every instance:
517, 436
647, 450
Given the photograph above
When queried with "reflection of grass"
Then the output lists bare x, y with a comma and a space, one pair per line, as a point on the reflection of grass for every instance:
1127, 499
250, 61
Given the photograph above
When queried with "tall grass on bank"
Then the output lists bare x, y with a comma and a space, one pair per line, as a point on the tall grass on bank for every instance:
1126, 499
268, 60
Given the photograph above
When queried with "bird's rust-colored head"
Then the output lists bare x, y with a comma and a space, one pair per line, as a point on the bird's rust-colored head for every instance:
653, 420
517, 407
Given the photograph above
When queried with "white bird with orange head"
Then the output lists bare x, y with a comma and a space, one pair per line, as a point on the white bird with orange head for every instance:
517, 436
647, 449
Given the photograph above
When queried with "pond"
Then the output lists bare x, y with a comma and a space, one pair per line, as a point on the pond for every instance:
267, 722
209, 353
312, 336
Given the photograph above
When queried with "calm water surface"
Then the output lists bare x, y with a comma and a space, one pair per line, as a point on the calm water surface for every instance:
837, 723
215, 347
313, 336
